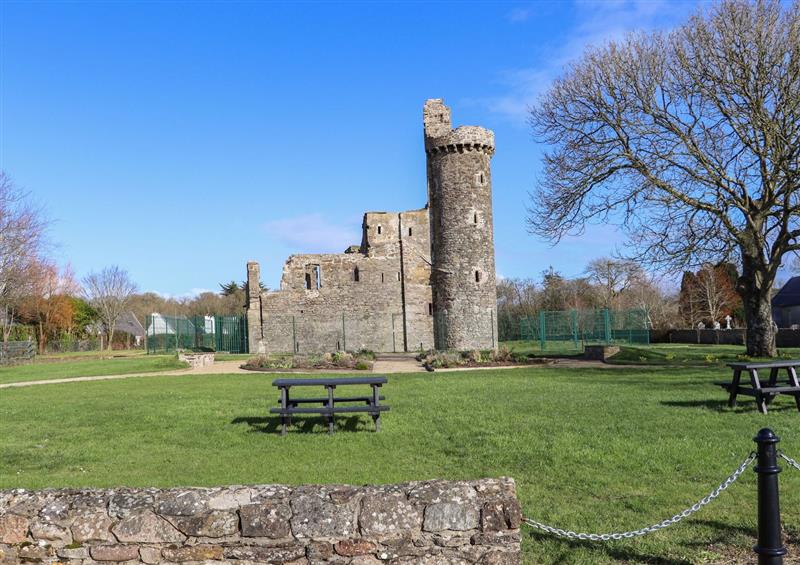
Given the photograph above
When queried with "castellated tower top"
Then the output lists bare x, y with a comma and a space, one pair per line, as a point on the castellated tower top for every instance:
440, 137
436, 117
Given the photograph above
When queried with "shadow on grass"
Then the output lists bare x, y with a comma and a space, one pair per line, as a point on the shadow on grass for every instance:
615, 551
722, 540
722, 406
306, 424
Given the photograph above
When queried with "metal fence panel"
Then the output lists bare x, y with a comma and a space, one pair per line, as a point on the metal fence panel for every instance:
572, 329
166, 334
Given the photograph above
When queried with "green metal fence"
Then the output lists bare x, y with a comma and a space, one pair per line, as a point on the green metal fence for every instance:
572, 329
198, 333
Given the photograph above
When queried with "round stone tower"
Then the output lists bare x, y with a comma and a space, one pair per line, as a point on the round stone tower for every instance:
462, 240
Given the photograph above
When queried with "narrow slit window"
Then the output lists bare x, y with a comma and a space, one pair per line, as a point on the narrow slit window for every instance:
381, 277
308, 281
356, 274
379, 230
475, 218
410, 232
477, 276
430, 309
482, 181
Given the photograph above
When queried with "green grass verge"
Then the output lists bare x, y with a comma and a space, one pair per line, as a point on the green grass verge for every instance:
592, 450
47, 370
654, 354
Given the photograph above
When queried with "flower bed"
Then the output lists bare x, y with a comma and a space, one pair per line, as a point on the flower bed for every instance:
361, 361
478, 358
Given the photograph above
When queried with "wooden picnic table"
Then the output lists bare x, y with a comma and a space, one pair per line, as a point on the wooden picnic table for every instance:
330, 404
763, 393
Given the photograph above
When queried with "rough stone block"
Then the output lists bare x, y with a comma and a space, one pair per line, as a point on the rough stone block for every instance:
317, 518
213, 524
114, 552
388, 515
266, 554
13, 529
146, 527
450, 516
266, 519
194, 553
50, 532
353, 547
91, 526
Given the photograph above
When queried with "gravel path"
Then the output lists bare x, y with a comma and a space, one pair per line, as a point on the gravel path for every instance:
387, 365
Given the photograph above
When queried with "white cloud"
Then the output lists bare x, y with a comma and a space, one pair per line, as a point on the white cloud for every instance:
191, 293
595, 24
314, 233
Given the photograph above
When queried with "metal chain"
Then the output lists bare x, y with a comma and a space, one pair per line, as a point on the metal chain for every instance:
655, 527
789, 460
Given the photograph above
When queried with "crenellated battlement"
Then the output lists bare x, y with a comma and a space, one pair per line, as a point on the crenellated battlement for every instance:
464, 138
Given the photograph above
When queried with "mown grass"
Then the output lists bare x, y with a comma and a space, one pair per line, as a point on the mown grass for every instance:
45, 369
652, 354
592, 450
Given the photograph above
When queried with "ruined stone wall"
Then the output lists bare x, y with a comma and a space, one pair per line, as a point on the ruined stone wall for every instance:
460, 192
436, 522
416, 268
357, 300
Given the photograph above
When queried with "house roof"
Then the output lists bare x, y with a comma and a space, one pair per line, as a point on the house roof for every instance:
788, 295
128, 323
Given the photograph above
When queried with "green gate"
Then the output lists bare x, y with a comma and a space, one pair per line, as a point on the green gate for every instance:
166, 334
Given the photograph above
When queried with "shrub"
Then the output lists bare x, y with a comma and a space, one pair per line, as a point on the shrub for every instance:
270, 362
363, 366
504, 354
366, 354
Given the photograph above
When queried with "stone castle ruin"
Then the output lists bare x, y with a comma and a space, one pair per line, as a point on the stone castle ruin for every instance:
420, 279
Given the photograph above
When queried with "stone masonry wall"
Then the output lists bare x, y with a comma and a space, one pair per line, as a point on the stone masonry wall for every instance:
375, 297
460, 192
435, 522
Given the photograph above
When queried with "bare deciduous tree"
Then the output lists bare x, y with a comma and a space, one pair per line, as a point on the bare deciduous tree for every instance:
22, 227
613, 277
688, 139
109, 293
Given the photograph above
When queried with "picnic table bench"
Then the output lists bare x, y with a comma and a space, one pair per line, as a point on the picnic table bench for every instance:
763, 393
330, 404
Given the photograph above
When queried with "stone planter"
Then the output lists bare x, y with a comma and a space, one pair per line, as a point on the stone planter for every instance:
197, 360
599, 352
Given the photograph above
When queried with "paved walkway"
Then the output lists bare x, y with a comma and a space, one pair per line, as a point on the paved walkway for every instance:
383, 365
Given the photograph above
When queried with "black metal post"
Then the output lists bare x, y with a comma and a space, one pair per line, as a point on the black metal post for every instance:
770, 548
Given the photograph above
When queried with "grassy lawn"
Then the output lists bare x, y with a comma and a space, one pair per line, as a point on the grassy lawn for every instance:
591, 450
653, 354
47, 369
104, 354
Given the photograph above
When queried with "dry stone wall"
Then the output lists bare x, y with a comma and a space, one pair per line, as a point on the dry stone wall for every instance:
434, 522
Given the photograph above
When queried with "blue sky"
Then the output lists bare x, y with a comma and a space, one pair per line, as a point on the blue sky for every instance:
181, 139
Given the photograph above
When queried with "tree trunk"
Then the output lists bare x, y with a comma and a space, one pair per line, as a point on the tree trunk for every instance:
111, 339
755, 288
